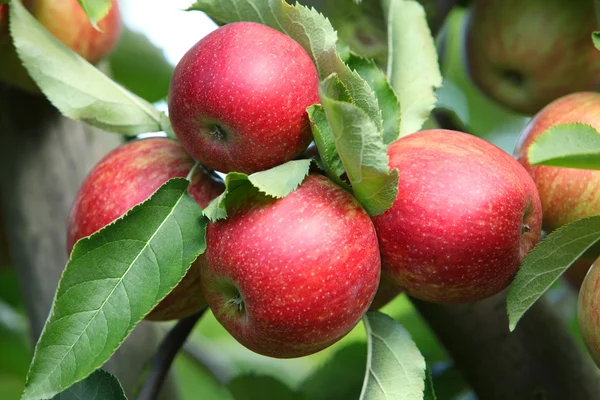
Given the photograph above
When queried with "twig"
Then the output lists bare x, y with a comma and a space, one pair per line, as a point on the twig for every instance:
168, 349
442, 9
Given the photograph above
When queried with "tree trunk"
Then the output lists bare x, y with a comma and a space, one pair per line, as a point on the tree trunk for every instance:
43, 159
539, 360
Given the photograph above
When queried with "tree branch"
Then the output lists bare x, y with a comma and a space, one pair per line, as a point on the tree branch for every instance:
539, 360
168, 349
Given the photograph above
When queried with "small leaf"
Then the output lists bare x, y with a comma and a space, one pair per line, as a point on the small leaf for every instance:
101, 385
280, 181
140, 66
95, 9
388, 102
74, 86
276, 182
361, 149
112, 280
596, 39
413, 68
395, 367
256, 387
325, 144
547, 261
572, 145
307, 27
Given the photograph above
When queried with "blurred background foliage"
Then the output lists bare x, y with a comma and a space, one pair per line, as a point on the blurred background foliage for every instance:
213, 365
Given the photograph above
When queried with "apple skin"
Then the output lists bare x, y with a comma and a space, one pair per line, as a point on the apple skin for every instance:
588, 311
65, 20
127, 176
289, 277
567, 194
526, 53
238, 98
456, 231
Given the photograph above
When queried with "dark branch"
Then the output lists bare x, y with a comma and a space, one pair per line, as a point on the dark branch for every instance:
168, 349
442, 9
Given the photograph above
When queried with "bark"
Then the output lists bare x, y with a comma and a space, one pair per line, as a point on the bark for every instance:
539, 360
43, 159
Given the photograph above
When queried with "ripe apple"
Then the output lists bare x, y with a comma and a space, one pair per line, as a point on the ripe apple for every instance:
588, 311
127, 176
465, 216
526, 53
66, 20
289, 277
567, 194
238, 98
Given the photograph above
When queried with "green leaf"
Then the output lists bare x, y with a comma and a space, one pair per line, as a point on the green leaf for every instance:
112, 280
395, 367
429, 393
95, 9
361, 149
276, 182
74, 86
388, 102
330, 159
101, 385
596, 39
346, 368
572, 145
256, 387
140, 66
413, 68
547, 261
307, 27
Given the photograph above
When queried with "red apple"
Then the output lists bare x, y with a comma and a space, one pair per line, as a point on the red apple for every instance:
238, 98
465, 216
526, 53
588, 311
66, 20
127, 176
567, 194
289, 277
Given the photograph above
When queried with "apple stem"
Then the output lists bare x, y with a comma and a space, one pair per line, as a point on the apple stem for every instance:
168, 349
525, 228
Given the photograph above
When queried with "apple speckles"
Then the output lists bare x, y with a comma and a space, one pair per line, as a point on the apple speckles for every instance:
297, 289
470, 245
256, 81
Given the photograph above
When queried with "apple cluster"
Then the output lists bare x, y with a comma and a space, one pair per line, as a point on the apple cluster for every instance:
288, 277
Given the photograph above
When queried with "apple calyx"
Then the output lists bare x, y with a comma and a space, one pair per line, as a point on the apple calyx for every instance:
237, 302
513, 76
217, 131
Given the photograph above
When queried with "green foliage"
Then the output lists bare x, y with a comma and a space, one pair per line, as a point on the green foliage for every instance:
276, 182
140, 66
100, 385
596, 39
256, 387
95, 9
194, 381
346, 368
429, 393
395, 367
572, 145
412, 62
329, 158
388, 102
113, 279
547, 261
360, 148
92, 97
